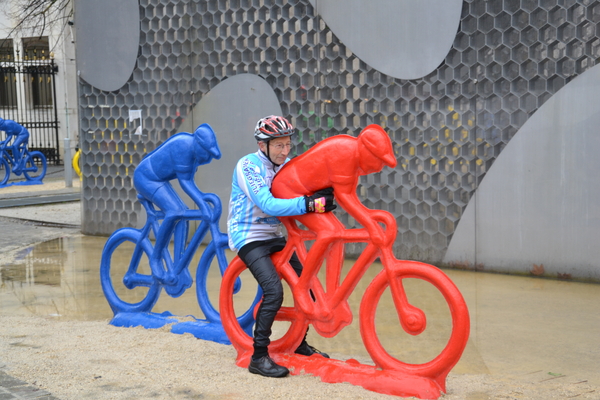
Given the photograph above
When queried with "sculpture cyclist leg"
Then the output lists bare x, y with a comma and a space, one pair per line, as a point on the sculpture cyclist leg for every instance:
256, 233
164, 197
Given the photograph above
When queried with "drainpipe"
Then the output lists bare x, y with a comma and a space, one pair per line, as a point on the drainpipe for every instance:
67, 162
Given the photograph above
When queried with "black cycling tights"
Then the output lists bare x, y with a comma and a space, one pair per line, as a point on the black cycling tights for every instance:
257, 257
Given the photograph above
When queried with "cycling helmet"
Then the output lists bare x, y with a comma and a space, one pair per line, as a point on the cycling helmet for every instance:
272, 127
205, 136
379, 144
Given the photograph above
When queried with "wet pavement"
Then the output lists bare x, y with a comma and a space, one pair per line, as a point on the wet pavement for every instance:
522, 326
31, 214
12, 388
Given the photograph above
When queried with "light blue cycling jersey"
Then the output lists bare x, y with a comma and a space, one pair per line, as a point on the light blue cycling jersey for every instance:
253, 210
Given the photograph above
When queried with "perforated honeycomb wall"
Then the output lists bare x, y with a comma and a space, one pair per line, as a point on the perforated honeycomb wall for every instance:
508, 58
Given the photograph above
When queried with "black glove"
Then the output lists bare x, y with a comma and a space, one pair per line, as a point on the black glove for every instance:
320, 202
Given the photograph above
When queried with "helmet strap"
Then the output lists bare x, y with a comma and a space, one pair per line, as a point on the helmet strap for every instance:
268, 155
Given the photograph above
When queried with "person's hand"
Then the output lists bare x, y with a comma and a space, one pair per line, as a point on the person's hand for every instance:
320, 202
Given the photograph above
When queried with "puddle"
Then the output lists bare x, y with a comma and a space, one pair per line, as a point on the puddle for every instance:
519, 325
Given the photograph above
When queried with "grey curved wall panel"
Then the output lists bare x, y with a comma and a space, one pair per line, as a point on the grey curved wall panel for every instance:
108, 36
539, 205
404, 39
232, 108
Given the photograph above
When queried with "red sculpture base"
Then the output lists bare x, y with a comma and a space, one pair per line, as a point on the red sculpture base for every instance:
394, 383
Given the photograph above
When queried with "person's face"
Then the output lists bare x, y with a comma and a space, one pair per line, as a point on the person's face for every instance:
279, 149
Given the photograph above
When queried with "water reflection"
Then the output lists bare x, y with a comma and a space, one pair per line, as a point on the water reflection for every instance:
56, 278
33, 266
519, 325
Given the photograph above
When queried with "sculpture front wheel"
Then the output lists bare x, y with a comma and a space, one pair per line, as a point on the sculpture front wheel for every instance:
210, 255
133, 289
214, 257
35, 166
414, 318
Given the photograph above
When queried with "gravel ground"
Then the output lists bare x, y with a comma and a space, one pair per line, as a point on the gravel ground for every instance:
94, 360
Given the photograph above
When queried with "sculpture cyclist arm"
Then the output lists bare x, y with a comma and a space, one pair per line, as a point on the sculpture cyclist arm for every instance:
187, 183
372, 151
203, 154
338, 162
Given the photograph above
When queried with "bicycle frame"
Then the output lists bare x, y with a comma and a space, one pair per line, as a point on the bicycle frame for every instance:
328, 301
329, 312
173, 266
10, 157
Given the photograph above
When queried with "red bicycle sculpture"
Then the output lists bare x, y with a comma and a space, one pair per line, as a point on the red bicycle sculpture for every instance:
338, 162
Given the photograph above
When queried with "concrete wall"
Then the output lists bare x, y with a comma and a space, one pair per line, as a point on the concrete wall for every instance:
489, 106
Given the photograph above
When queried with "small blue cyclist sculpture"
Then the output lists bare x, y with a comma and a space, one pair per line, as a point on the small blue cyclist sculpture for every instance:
15, 155
177, 158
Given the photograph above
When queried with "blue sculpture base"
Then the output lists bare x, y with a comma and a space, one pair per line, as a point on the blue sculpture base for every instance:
22, 183
201, 329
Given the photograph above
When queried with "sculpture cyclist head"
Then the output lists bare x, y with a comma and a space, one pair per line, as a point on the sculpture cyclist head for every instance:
273, 136
374, 150
206, 139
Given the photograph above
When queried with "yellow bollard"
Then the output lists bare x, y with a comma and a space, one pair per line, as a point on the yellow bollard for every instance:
75, 163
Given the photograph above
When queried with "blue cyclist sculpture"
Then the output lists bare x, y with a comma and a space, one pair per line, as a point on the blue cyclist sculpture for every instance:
17, 157
176, 159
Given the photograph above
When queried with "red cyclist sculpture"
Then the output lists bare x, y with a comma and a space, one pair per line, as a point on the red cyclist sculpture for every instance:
338, 162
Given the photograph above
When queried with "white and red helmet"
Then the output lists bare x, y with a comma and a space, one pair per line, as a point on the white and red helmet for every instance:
272, 127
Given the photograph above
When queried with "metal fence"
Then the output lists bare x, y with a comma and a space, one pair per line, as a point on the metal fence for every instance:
28, 97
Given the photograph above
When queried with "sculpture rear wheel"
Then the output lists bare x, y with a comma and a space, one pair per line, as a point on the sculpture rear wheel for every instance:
122, 259
449, 356
241, 340
35, 166
213, 257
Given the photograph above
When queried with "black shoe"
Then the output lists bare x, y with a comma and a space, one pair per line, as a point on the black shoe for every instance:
266, 367
307, 350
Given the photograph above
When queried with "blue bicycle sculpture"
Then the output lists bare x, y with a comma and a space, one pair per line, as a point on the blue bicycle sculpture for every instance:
173, 275
31, 164
153, 265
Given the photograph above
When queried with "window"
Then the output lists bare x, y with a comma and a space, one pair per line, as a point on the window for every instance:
7, 50
8, 79
36, 52
36, 48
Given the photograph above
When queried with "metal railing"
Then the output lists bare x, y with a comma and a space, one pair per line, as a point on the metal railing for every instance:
28, 97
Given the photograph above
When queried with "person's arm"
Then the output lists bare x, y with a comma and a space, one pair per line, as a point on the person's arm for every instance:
252, 183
